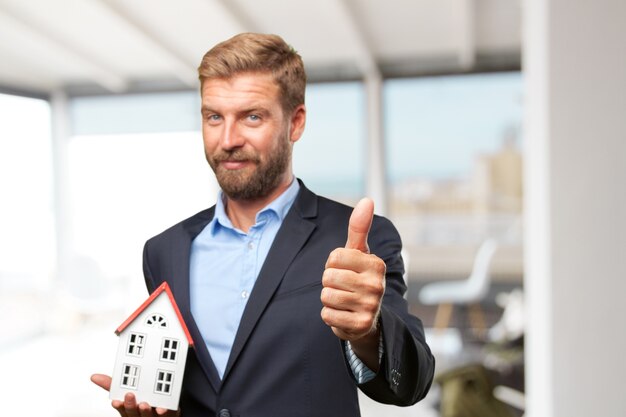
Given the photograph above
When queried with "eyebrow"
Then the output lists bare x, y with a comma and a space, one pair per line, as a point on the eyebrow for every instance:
204, 109
247, 110
253, 109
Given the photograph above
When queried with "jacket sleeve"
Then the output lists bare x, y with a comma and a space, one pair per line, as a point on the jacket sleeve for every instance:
151, 285
407, 365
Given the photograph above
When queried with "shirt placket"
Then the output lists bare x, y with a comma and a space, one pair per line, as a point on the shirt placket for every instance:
250, 256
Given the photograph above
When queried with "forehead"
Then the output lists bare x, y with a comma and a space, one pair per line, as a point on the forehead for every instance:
241, 88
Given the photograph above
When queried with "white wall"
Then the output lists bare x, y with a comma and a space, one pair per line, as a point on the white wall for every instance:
575, 69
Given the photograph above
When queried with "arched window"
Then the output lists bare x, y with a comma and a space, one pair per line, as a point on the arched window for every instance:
156, 320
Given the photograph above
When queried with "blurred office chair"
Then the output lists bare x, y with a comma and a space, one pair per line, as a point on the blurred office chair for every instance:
468, 292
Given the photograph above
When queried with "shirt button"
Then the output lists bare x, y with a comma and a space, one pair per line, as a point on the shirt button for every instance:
250, 245
244, 294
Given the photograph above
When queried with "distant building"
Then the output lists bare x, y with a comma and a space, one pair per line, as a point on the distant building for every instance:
497, 179
443, 221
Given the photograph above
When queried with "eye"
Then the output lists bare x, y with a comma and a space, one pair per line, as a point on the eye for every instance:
213, 118
254, 117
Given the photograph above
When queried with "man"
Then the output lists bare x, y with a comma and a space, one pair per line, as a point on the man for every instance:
253, 274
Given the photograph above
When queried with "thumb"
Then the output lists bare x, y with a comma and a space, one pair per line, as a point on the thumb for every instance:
359, 225
103, 381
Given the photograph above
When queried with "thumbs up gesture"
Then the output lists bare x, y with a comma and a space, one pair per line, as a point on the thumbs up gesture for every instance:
353, 287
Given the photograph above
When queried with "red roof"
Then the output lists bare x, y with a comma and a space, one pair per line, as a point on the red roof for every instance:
153, 296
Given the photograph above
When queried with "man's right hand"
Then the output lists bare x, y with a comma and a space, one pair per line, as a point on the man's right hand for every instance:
129, 407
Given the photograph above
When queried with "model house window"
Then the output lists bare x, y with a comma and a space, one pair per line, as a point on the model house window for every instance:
164, 382
130, 376
169, 350
156, 320
136, 343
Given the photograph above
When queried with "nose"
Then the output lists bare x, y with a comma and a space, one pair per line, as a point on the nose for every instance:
231, 137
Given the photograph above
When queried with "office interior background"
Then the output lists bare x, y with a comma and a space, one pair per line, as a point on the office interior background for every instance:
467, 121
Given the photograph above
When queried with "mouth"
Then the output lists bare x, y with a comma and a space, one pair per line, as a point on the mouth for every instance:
233, 161
234, 164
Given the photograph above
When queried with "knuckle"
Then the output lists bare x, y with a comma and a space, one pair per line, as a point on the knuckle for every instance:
375, 287
327, 277
370, 305
378, 265
325, 314
326, 295
378, 287
335, 256
363, 324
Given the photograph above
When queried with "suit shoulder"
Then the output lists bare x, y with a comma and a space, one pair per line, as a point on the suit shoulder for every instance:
335, 216
326, 205
188, 225
334, 208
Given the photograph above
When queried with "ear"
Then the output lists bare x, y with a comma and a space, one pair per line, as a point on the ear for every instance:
298, 120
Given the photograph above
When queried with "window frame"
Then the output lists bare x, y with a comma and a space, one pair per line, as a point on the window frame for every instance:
133, 345
156, 320
171, 351
162, 385
127, 372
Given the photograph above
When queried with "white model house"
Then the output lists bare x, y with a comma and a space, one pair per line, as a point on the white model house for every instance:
152, 351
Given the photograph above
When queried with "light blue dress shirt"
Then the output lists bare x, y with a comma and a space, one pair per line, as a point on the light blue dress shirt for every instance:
224, 265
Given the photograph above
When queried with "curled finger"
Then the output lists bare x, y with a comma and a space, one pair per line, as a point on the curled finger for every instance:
145, 410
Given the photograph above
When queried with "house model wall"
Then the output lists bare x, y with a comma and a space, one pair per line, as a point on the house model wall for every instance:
152, 351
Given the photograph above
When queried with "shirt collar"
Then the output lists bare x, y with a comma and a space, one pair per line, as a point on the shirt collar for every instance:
279, 208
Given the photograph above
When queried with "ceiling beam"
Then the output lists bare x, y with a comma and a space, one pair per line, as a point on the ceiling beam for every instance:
467, 34
365, 57
17, 91
21, 73
98, 71
182, 68
239, 16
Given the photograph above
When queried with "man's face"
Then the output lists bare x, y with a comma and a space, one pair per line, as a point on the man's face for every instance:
247, 137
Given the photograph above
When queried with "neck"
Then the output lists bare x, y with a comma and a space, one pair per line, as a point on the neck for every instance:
242, 213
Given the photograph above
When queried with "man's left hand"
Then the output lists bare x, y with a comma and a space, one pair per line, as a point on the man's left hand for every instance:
353, 288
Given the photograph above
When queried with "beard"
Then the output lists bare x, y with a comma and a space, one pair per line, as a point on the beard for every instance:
255, 181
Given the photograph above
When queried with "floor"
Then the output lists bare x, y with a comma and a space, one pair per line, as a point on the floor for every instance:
47, 354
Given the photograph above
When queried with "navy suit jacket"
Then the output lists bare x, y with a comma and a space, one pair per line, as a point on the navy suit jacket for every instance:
285, 361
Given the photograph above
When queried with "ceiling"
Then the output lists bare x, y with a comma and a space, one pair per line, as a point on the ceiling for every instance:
116, 46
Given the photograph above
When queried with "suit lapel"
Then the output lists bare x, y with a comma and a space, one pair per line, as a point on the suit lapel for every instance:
180, 288
293, 234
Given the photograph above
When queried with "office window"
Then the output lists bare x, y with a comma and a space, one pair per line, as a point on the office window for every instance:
330, 156
136, 160
141, 183
454, 163
27, 241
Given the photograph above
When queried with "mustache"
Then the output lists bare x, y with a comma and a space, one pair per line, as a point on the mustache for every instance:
237, 155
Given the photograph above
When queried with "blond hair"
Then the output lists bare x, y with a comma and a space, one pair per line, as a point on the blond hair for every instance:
255, 52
